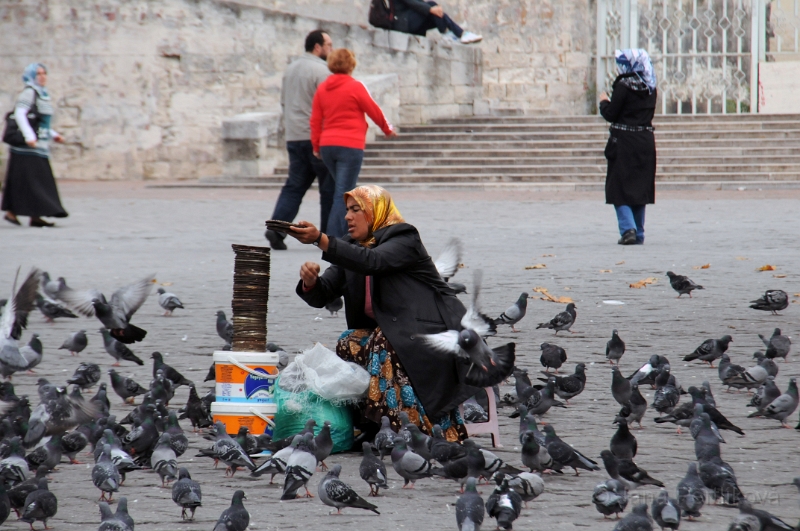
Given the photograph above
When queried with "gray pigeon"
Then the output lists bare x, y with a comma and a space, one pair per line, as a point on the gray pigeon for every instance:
637, 520
709, 395
299, 469
610, 497
667, 394
768, 364
168, 301
420, 443
562, 321
408, 465
57, 413
781, 407
564, 454
620, 387
109, 520
504, 505
767, 521
528, 485
52, 309
615, 348
691, 493
449, 259
470, 508
228, 451
384, 439
773, 300
623, 443
683, 285
47, 455
75, 343
40, 504
372, 470
105, 475
235, 517
48, 286
224, 328
186, 493
553, 357
665, 511
778, 345
719, 477
14, 468
534, 455
710, 350
85, 376
514, 313
334, 306
627, 472
323, 444
443, 450
32, 352
122, 513
336, 493
765, 395
13, 320
636, 407
126, 388
277, 462
164, 461
118, 350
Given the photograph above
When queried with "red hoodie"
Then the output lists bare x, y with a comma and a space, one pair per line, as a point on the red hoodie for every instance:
337, 113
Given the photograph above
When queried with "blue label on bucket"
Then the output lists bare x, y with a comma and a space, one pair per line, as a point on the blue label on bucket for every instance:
243, 400
256, 387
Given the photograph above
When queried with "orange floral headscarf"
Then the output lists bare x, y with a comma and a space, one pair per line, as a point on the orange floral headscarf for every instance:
378, 207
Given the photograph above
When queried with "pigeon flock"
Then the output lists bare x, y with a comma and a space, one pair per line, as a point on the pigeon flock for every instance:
154, 434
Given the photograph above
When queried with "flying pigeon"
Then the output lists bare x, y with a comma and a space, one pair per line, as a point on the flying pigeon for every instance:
235, 517
186, 494
778, 345
336, 493
470, 508
168, 301
773, 300
615, 348
710, 350
448, 262
57, 413
13, 320
75, 343
683, 285
562, 321
610, 497
52, 309
116, 314
514, 313
118, 350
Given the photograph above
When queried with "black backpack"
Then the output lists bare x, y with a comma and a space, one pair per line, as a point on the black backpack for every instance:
381, 13
13, 135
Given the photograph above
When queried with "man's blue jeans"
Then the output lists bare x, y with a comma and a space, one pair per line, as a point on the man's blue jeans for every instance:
303, 168
344, 163
631, 217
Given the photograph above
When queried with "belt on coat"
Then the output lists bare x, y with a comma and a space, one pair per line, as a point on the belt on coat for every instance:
633, 128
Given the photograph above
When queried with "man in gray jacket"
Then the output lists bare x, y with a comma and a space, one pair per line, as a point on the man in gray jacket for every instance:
300, 82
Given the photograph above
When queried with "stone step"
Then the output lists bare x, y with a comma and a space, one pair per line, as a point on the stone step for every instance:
571, 136
594, 157
672, 127
372, 153
673, 143
593, 118
487, 169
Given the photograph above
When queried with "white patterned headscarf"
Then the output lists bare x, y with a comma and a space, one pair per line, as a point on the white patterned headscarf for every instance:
637, 61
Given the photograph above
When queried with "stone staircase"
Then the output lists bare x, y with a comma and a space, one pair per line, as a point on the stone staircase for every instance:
710, 151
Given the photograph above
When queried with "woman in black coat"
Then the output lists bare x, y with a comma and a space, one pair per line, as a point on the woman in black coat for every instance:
419, 16
393, 296
631, 147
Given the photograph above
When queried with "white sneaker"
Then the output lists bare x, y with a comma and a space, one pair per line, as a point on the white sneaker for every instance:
468, 37
450, 36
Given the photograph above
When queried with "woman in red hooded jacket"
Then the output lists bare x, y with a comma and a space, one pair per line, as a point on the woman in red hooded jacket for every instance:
339, 129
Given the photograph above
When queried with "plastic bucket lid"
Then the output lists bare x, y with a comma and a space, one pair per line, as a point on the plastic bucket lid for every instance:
246, 358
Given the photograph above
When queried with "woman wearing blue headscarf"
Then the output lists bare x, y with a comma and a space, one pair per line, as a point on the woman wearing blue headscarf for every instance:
30, 189
631, 148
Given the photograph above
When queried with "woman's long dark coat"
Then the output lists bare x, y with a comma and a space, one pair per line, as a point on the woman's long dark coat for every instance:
631, 155
409, 299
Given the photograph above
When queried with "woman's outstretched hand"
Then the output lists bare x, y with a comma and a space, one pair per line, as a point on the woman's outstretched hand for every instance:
308, 233
309, 272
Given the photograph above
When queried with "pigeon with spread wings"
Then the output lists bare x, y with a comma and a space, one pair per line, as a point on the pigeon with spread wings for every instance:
116, 314
487, 366
448, 262
14, 318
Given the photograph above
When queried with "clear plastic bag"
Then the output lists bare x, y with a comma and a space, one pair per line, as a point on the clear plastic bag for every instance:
330, 377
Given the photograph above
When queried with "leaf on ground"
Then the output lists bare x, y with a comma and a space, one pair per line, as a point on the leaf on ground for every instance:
606, 271
166, 283
704, 266
548, 256
567, 288
620, 263
778, 276
644, 282
742, 258
547, 296
536, 266
767, 268
461, 266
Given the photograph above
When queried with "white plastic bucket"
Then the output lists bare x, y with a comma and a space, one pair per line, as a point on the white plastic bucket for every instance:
259, 418
246, 377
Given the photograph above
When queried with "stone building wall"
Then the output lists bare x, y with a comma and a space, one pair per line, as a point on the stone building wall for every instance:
141, 87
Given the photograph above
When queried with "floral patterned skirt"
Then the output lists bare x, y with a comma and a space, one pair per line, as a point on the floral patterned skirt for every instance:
390, 390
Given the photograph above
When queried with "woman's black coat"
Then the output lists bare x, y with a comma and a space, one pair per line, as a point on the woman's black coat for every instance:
631, 175
409, 299
410, 16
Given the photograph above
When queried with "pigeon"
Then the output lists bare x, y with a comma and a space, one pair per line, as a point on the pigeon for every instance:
164, 461
773, 300
492, 463
568, 387
637, 520
118, 350
168, 301
726, 370
161, 388
57, 413
86, 375
75, 343
562, 321
565, 455
778, 345
274, 446
470, 508
636, 407
122, 513
52, 309
101, 397
768, 364
474, 412
40, 504
691, 493
235, 517
539, 402
528, 485
48, 286
710, 350
627, 472
514, 313
14, 468
299, 469
277, 462
683, 285
126, 388
767, 521
74, 442
647, 373
783, 406
105, 475
719, 477
186, 494
610, 497
623, 443
109, 520
615, 348
13, 320
224, 328
553, 357
47, 455
449, 259
177, 439
196, 411
706, 435
716, 417
408, 465
665, 511
20, 491
143, 437
535, 455
5, 504
384, 439
334, 306
746, 378
32, 352
504, 505
620, 387
765, 395
323, 444
174, 376
336, 493
667, 395
372, 470
443, 450
229, 452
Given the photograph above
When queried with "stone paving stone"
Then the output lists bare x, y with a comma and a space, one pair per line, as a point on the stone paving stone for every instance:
119, 232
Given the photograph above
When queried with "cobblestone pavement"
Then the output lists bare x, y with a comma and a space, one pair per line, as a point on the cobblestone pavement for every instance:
119, 232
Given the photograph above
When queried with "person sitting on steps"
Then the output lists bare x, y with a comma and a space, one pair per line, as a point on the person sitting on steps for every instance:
417, 17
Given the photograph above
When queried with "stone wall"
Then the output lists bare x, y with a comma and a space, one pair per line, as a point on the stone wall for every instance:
142, 88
